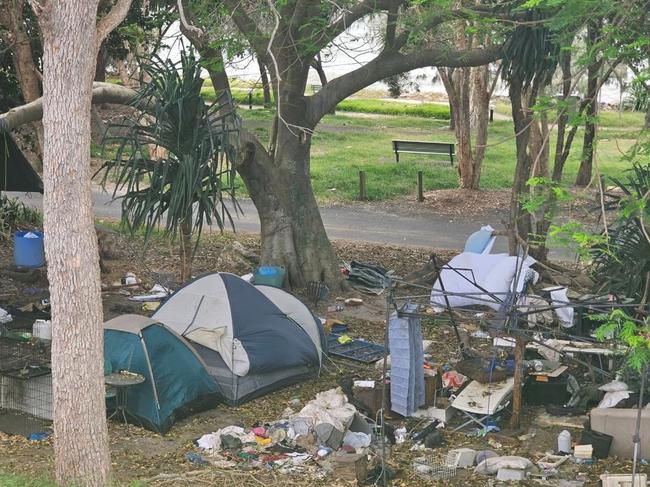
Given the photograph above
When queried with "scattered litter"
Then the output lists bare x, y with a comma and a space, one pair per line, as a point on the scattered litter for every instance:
400, 435
151, 306
484, 455
507, 474
129, 279
156, 293
5, 317
491, 466
453, 379
368, 278
358, 350
434, 467
462, 457
480, 333
344, 339
494, 443
564, 442
623, 480
39, 436
195, 458
551, 462
583, 452
357, 440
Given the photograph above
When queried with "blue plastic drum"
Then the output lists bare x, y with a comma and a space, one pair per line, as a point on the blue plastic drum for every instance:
28, 249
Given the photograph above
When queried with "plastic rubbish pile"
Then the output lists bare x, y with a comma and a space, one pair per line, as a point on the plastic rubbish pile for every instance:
325, 431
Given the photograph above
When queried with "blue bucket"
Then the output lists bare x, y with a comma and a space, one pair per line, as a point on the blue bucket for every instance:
269, 275
28, 250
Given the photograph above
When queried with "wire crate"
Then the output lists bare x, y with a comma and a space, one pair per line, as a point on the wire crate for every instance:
435, 467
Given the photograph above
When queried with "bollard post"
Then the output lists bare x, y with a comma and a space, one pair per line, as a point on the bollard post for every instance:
250, 100
362, 186
420, 186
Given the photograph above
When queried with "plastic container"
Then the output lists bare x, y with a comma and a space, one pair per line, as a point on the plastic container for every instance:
599, 441
564, 442
28, 249
42, 329
269, 275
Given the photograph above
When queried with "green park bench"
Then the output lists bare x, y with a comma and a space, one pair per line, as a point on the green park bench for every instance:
421, 147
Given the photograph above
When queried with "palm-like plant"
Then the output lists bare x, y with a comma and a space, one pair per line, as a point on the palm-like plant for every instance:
622, 264
185, 188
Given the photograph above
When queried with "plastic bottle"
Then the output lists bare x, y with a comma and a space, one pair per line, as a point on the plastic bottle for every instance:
564, 442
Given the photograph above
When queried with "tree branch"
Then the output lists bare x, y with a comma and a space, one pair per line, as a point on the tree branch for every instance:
388, 64
33, 112
350, 16
111, 20
247, 27
189, 30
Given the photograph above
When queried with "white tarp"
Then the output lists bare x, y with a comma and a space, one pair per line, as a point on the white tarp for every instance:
467, 275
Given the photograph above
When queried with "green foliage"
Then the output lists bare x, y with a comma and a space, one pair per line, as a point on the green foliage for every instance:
14, 215
634, 334
638, 97
621, 264
574, 236
544, 194
194, 174
531, 52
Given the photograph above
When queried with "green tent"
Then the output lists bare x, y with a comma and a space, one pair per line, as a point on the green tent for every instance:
176, 381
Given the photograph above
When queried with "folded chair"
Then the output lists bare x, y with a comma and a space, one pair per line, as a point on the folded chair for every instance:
480, 401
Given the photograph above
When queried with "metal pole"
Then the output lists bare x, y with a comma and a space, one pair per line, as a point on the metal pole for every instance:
637, 433
384, 393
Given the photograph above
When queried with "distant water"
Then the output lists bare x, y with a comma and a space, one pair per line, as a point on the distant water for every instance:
353, 49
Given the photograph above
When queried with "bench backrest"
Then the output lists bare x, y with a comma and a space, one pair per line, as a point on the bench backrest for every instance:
423, 147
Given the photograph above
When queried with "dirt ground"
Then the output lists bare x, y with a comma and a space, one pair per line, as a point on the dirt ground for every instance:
161, 460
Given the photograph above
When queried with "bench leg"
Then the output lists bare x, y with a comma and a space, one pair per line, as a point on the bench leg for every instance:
396, 156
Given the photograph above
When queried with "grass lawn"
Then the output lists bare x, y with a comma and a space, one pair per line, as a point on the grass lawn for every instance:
345, 143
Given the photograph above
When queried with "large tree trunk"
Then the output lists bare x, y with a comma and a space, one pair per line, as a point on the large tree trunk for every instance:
646, 124
292, 230
26, 72
461, 83
469, 98
587, 161
80, 432
481, 110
